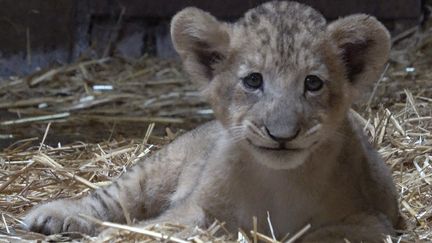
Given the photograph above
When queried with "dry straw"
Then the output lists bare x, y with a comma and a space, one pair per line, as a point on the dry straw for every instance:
108, 105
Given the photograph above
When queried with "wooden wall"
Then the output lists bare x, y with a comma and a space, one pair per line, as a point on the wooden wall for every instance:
39, 33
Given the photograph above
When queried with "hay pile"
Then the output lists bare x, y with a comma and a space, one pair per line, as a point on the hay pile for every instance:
71, 129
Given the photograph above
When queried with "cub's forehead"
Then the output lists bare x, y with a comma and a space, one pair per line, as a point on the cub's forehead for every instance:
282, 17
280, 33
285, 13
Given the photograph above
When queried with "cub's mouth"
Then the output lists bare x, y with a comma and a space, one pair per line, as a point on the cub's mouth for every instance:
281, 147
259, 139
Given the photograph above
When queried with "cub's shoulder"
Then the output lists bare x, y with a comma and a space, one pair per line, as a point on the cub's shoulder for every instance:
377, 182
202, 138
208, 131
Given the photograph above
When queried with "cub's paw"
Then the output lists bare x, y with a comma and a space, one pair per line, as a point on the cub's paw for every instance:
56, 217
109, 233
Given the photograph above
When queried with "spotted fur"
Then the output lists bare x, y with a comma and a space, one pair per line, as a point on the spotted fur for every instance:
280, 149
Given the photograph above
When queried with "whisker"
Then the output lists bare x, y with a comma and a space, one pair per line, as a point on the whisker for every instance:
235, 135
233, 140
229, 130
236, 130
313, 129
236, 139
254, 128
236, 127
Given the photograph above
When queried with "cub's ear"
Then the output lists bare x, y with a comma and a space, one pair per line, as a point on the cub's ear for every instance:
200, 40
364, 46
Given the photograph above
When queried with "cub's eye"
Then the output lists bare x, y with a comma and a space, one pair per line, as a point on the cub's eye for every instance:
313, 83
253, 81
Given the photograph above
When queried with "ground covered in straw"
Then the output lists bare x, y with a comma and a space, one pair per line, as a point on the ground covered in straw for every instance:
70, 129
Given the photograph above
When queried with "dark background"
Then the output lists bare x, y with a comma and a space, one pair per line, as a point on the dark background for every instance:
38, 34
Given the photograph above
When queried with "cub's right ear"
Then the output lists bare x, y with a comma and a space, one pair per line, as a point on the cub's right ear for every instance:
201, 41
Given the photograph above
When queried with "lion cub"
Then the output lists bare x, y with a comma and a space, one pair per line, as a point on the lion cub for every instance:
280, 81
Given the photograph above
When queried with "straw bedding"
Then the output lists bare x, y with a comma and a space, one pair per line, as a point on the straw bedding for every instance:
70, 129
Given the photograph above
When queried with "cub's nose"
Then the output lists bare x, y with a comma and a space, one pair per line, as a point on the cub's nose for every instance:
285, 136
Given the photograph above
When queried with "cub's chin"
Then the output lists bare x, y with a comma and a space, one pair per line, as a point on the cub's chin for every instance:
278, 158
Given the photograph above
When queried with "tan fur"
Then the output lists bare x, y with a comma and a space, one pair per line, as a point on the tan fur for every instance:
232, 169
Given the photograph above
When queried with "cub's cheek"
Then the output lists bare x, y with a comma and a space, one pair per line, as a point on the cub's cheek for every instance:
238, 114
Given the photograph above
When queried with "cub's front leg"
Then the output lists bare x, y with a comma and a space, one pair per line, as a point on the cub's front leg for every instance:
358, 228
142, 193
188, 213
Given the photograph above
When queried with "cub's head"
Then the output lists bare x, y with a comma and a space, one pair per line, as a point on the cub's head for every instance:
281, 80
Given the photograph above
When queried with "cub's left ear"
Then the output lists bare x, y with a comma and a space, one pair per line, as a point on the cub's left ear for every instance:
364, 46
